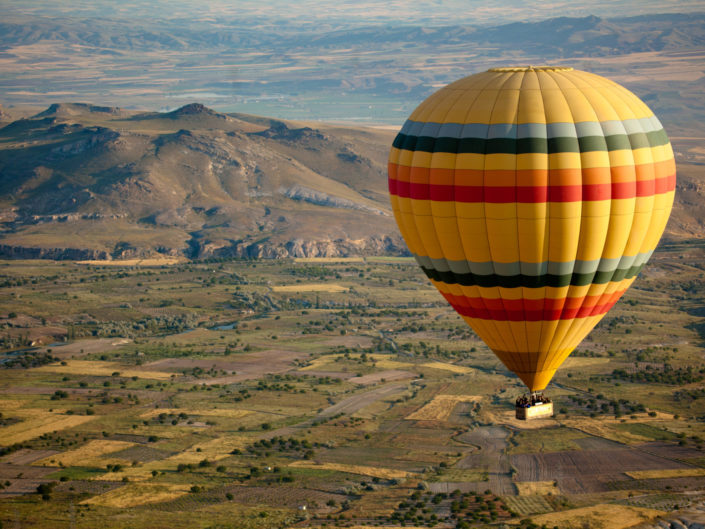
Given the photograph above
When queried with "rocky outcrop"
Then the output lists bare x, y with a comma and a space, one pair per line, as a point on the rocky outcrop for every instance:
264, 249
57, 254
305, 194
375, 245
95, 136
279, 131
194, 109
72, 109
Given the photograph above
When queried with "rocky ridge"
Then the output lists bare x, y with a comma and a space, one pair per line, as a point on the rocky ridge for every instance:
81, 181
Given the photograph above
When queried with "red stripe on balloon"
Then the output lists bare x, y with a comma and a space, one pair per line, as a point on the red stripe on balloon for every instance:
532, 194
547, 309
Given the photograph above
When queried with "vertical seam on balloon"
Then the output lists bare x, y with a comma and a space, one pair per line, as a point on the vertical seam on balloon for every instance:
547, 225
546, 230
490, 322
498, 330
516, 197
484, 164
549, 358
631, 227
573, 326
587, 322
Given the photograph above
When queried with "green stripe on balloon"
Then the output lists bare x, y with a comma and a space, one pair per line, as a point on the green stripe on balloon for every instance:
528, 281
616, 142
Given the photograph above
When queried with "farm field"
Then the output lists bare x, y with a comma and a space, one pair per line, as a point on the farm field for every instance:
332, 393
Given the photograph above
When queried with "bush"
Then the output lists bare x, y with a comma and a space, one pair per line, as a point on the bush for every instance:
45, 489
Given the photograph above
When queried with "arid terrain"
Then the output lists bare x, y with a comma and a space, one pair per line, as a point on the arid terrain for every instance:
192, 394
208, 318
86, 182
357, 63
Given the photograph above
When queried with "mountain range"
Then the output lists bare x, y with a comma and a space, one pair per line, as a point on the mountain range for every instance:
81, 181
368, 69
85, 181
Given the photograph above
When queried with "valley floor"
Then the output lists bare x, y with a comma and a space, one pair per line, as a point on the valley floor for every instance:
324, 393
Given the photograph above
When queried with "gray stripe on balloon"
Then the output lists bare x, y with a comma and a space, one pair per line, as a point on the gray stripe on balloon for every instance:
533, 269
580, 129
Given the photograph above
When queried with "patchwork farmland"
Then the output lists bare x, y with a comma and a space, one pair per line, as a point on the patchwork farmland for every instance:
332, 405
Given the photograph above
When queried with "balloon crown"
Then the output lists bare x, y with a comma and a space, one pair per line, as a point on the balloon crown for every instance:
533, 68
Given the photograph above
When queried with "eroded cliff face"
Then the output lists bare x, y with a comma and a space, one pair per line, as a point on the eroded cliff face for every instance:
375, 245
56, 254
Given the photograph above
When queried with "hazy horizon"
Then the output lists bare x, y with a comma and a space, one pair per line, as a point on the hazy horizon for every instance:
369, 62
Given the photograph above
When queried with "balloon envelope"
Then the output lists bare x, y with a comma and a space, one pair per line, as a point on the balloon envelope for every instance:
532, 197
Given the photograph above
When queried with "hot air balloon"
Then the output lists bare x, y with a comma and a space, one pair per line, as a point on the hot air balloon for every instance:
531, 198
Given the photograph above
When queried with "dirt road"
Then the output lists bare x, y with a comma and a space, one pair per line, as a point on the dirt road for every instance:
490, 457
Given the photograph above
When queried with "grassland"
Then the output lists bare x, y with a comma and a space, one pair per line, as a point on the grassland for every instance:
440, 408
39, 423
536, 488
176, 401
136, 494
599, 517
667, 473
90, 454
374, 472
88, 367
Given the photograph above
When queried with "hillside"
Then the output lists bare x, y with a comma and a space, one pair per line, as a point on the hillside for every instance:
89, 182
83, 181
